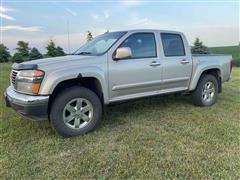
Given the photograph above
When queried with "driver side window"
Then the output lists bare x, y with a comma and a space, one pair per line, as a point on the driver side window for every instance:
142, 45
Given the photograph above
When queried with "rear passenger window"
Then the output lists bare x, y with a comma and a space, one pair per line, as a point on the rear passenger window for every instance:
142, 45
172, 44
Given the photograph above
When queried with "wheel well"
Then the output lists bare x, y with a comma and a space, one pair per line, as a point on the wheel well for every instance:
215, 72
88, 82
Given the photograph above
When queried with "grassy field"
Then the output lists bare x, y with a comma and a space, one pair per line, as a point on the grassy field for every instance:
234, 50
160, 137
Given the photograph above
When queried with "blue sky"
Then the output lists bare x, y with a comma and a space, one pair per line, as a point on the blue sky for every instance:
216, 23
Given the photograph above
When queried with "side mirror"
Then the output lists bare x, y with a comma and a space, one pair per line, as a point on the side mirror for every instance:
122, 53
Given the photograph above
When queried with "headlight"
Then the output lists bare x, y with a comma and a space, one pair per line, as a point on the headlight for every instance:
29, 81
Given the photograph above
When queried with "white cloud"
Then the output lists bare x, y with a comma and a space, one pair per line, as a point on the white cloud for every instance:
100, 17
67, 10
106, 15
139, 21
20, 28
3, 10
73, 13
4, 16
95, 16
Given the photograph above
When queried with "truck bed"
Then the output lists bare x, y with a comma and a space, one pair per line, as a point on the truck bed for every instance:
223, 62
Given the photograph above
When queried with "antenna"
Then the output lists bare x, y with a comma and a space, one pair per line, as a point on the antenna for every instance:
1, 26
68, 36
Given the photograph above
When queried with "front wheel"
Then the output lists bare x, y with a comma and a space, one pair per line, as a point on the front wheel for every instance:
75, 111
206, 91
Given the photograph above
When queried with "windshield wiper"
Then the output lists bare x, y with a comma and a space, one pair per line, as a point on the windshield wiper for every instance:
84, 53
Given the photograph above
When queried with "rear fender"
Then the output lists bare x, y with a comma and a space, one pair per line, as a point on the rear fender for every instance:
198, 73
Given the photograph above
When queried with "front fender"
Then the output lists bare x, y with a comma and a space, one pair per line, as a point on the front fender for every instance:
54, 78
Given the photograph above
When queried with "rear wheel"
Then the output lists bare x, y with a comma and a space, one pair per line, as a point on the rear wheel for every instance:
75, 111
206, 91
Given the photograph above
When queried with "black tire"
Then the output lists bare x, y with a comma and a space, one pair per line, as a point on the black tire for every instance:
61, 100
197, 95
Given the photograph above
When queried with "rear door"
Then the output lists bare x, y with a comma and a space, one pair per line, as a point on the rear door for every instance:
176, 62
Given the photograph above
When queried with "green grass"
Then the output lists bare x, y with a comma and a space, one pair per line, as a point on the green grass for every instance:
233, 50
153, 138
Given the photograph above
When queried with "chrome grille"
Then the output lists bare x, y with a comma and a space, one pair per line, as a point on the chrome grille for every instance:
13, 77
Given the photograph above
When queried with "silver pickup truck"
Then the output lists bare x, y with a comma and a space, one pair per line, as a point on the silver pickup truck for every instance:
71, 91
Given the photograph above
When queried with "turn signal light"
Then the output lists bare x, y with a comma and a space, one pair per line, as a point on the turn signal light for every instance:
35, 87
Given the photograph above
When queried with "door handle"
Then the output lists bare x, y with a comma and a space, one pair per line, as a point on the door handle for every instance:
184, 61
155, 63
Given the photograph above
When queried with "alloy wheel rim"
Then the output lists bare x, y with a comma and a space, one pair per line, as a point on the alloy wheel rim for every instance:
77, 113
208, 92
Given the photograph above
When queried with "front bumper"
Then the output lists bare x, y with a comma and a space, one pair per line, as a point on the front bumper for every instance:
31, 107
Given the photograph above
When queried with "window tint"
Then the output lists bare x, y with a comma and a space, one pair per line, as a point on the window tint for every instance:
172, 44
142, 45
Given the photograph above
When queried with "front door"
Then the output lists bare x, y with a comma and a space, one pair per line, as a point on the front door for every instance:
139, 74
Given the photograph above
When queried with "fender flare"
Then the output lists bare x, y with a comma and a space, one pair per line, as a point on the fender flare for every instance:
198, 74
56, 77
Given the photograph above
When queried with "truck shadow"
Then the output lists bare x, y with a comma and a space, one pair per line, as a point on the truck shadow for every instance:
118, 113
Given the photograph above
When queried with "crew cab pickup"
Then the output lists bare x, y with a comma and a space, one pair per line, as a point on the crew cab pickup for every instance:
71, 91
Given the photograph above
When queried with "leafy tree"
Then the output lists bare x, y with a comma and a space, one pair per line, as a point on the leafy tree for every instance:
89, 36
35, 54
4, 53
59, 51
22, 52
18, 57
51, 48
53, 51
199, 48
23, 48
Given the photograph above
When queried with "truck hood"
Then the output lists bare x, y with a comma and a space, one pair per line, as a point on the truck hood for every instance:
63, 61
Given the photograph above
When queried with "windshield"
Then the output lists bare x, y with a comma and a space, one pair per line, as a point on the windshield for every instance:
100, 44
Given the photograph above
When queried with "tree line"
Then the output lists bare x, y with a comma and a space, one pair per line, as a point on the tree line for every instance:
24, 53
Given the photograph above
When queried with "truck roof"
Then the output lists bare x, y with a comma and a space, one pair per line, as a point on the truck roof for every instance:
153, 30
